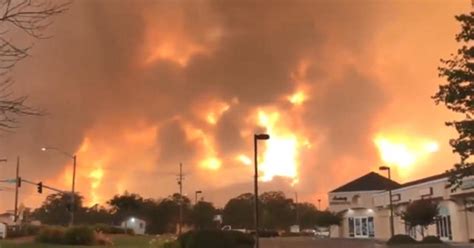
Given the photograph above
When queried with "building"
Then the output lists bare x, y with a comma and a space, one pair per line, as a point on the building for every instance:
365, 207
137, 225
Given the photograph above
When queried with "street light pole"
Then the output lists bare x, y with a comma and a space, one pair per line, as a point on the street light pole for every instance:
392, 228
73, 187
257, 137
196, 196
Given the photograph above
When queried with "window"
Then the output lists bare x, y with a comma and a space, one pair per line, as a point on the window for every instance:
371, 227
443, 227
351, 227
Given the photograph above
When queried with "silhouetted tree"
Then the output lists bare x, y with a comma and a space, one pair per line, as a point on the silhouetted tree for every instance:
30, 17
278, 211
327, 218
420, 213
126, 205
457, 95
307, 215
55, 210
239, 211
202, 215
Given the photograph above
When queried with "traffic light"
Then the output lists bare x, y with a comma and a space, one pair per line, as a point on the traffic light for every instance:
18, 182
40, 187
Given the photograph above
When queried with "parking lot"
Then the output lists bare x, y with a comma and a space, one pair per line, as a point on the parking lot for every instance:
305, 242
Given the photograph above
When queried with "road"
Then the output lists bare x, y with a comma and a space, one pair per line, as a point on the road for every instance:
308, 242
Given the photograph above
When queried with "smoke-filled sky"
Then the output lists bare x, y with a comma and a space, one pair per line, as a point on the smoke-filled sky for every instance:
134, 87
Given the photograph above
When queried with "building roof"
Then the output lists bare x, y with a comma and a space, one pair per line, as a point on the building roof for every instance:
368, 182
426, 179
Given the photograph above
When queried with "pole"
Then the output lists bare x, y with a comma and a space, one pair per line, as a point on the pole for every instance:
257, 245
180, 182
15, 218
73, 195
296, 209
319, 204
392, 229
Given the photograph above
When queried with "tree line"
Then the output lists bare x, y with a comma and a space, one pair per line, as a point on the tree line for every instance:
162, 215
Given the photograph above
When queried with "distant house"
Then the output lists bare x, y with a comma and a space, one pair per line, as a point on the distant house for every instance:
137, 225
7, 218
3, 230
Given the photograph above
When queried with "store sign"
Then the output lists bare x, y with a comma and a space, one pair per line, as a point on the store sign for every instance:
338, 200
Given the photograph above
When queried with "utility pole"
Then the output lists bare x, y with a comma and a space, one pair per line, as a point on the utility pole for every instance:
17, 185
319, 204
73, 193
296, 209
180, 183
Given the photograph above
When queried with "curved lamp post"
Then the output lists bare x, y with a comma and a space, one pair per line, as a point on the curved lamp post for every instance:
256, 138
386, 168
74, 159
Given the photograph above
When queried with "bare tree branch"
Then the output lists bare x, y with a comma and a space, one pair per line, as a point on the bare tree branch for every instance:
32, 17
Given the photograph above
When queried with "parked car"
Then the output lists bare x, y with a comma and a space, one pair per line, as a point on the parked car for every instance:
229, 228
309, 232
265, 233
322, 232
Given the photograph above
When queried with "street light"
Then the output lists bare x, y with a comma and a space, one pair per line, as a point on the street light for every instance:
256, 138
74, 160
196, 196
386, 168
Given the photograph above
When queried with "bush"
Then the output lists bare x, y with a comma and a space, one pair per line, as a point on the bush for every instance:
109, 229
216, 239
431, 240
401, 239
79, 235
52, 235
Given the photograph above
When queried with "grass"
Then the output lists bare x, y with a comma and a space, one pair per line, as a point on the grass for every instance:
119, 241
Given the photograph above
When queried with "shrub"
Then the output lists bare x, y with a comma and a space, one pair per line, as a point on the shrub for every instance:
79, 235
109, 229
51, 234
216, 239
400, 239
431, 240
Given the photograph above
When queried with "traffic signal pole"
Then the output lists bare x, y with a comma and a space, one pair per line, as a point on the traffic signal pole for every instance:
17, 185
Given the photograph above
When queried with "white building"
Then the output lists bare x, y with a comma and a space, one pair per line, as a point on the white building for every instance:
365, 206
137, 225
3, 230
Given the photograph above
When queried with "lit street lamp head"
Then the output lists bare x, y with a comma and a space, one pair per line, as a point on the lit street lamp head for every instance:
43, 149
262, 136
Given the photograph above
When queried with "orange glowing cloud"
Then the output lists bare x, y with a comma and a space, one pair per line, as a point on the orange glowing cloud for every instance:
404, 152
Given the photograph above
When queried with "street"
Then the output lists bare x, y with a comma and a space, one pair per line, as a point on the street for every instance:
305, 242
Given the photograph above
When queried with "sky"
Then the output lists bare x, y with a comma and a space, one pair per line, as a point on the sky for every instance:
134, 88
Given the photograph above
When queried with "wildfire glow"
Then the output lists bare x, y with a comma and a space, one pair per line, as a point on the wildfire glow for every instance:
281, 153
209, 160
216, 112
244, 159
211, 163
96, 179
404, 152
297, 98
